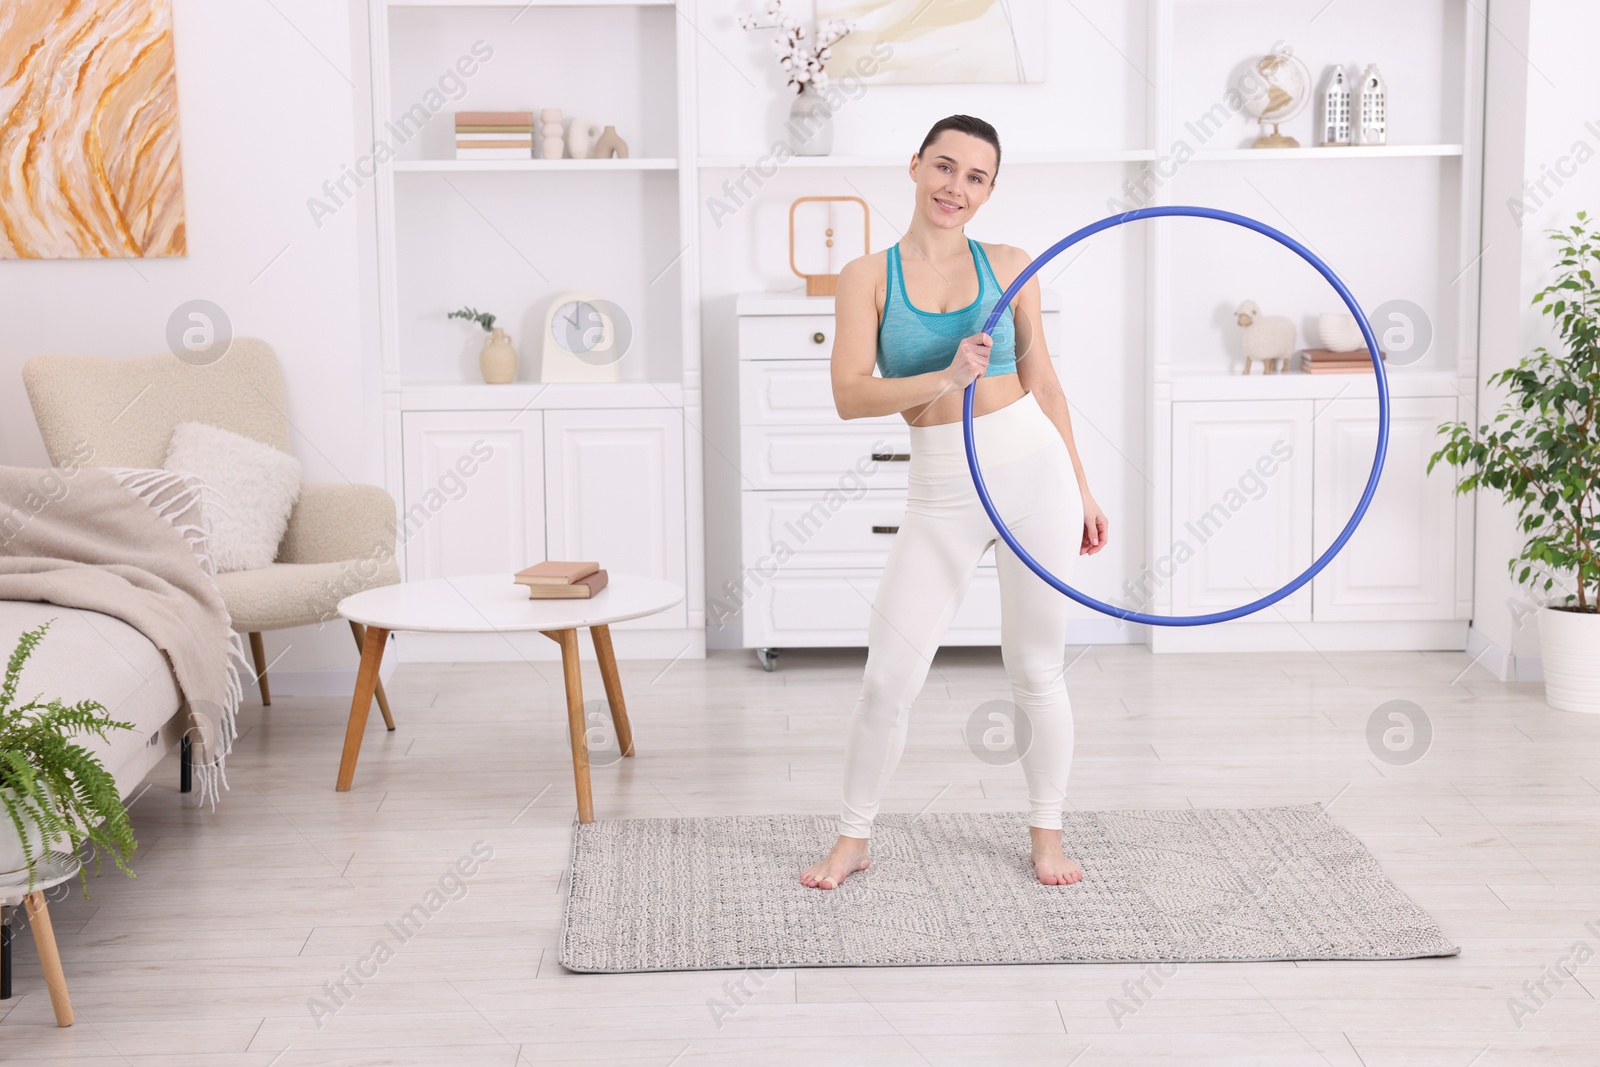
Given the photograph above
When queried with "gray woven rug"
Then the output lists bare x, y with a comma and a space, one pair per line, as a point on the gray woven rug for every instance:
1212, 884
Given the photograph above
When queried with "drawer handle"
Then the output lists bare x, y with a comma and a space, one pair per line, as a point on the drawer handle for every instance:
818, 338
892, 457
886, 529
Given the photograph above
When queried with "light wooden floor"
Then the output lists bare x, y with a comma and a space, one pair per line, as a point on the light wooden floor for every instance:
239, 917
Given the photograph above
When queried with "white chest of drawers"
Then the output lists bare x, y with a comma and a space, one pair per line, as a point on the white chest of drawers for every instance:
821, 497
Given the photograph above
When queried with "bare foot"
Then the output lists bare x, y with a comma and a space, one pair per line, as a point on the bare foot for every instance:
1050, 863
848, 855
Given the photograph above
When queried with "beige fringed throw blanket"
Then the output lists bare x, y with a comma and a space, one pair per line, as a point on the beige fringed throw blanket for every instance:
129, 543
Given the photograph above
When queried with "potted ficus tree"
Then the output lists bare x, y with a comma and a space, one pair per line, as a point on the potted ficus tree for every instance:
54, 792
1542, 453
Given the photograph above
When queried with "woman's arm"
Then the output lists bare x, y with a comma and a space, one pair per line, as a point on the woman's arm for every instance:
1038, 376
857, 393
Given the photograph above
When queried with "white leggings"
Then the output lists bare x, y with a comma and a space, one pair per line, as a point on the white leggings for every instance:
1029, 475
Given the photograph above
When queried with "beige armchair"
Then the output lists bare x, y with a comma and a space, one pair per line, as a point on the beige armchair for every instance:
341, 538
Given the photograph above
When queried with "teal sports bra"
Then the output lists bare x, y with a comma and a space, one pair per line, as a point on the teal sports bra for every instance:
913, 341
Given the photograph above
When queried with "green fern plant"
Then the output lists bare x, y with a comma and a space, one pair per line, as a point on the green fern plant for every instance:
48, 781
482, 318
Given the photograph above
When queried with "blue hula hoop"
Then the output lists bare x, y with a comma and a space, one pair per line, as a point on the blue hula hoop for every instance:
1377, 459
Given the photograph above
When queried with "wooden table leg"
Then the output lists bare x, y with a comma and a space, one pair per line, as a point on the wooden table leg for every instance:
383, 698
576, 727
601, 636
45, 938
366, 682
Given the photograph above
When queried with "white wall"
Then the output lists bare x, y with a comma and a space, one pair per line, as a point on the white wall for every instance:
1543, 89
267, 114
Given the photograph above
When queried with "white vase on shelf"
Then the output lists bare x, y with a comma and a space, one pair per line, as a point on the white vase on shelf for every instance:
581, 137
550, 141
810, 127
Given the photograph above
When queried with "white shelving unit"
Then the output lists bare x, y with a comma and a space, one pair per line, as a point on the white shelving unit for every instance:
608, 471
1206, 421
1404, 579
519, 231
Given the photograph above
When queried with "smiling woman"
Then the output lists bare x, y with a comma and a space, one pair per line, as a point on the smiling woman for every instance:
917, 311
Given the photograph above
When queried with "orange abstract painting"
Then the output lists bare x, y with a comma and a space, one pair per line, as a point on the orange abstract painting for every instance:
89, 152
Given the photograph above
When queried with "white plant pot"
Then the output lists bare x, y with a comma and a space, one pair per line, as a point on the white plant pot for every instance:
1569, 650
13, 862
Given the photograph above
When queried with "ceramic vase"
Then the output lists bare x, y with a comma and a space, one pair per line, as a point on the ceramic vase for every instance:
581, 137
610, 143
810, 126
498, 360
550, 142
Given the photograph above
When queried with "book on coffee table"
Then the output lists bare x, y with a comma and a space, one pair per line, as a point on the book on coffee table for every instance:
582, 589
556, 572
562, 579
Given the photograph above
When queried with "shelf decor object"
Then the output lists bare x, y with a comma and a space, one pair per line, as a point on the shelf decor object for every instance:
1372, 108
494, 135
550, 142
582, 136
89, 141
1268, 338
610, 146
810, 113
498, 359
1275, 89
1329, 361
1340, 332
1333, 127
828, 284
585, 339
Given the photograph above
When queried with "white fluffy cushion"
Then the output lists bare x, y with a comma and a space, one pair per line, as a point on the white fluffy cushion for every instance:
250, 490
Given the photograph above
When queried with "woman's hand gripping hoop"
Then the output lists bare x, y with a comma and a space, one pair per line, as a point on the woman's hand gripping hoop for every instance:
1377, 459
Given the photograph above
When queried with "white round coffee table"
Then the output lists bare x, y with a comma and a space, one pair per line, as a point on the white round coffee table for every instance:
493, 603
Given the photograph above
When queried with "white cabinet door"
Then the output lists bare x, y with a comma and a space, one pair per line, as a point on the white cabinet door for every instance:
1241, 508
474, 492
615, 493
1400, 562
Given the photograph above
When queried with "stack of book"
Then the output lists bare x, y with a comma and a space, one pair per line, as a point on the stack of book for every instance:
494, 135
560, 579
1327, 361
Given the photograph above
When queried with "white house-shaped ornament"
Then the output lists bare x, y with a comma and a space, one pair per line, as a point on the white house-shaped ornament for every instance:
1334, 128
1372, 109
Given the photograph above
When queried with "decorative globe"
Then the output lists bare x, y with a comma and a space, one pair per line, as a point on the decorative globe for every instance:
1276, 89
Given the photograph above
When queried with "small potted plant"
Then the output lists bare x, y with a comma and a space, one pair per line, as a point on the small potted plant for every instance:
498, 360
52, 790
1542, 453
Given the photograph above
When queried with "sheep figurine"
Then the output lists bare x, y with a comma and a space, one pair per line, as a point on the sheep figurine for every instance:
1269, 338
